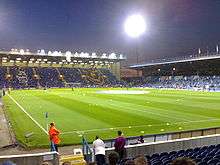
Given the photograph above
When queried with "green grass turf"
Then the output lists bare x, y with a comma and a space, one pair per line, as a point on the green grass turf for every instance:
83, 111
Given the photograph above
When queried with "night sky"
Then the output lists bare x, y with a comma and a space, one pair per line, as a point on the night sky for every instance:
175, 27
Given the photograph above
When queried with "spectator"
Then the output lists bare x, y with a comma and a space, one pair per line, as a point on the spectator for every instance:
140, 160
113, 158
99, 150
66, 163
120, 145
183, 161
141, 140
54, 137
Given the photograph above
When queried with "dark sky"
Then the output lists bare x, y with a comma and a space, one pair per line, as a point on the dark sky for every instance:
176, 27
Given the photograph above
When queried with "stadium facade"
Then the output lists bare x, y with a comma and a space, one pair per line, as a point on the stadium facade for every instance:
25, 69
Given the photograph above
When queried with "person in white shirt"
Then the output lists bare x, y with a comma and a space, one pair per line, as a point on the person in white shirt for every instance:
99, 150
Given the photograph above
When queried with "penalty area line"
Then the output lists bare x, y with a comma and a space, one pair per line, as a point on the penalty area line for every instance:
27, 114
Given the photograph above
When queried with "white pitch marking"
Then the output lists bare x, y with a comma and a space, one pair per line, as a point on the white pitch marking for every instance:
138, 126
28, 114
122, 92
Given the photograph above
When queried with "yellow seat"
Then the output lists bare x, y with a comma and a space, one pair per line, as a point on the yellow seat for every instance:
73, 159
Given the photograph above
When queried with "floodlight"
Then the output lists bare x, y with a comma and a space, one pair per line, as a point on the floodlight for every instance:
135, 25
22, 51
68, 53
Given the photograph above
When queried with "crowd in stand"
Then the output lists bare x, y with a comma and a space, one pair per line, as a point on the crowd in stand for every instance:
35, 77
179, 82
27, 77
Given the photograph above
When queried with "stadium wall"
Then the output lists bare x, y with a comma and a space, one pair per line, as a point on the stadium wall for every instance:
115, 68
168, 146
32, 159
130, 73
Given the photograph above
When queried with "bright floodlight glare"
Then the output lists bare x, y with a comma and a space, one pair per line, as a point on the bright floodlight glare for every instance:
135, 25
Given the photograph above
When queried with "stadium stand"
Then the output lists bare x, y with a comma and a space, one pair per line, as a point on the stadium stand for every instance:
179, 82
203, 150
27, 77
201, 155
199, 72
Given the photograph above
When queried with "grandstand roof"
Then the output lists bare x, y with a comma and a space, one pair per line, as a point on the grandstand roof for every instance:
179, 60
58, 57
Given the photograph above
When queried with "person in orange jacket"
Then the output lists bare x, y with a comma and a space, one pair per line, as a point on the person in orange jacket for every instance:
54, 137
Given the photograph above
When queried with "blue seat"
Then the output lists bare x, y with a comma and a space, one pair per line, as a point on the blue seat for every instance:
211, 147
163, 153
172, 152
204, 148
216, 156
189, 150
193, 157
202, 163
166, 162
164, 156
180, 151
156, 163
196, 149
214, 150
172, 157
189, 154
213, 161
154, 156
206, 159
217, 152
218, 146
181, 155
155, 159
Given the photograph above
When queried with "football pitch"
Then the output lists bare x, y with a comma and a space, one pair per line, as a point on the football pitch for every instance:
103, 111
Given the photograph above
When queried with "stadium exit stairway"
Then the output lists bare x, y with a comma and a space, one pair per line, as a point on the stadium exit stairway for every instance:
73, 159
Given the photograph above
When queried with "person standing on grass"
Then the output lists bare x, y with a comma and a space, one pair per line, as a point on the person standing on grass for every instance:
99, 150
119, 145
54, 137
